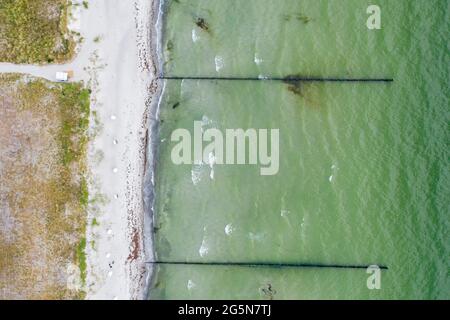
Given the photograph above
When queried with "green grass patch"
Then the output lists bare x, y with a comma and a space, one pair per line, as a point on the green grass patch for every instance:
81, 258
84, 193
35, 31
74, 101
95, 222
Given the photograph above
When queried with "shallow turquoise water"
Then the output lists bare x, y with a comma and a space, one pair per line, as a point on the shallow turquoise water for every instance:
363, 173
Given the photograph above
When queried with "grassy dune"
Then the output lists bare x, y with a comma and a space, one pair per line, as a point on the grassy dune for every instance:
43, 192
35, 31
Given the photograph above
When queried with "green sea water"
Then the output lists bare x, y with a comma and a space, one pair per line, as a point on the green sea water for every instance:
364, 167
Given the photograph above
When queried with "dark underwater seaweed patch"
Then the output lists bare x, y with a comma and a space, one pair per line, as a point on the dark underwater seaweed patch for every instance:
169, 45
294, 86
268, 291
297, 16
306, 91
202, 24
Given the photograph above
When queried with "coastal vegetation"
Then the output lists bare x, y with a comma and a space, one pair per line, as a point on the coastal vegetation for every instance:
43, 190
35, 31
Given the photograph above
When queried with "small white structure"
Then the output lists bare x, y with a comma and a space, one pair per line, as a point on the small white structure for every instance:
62, 76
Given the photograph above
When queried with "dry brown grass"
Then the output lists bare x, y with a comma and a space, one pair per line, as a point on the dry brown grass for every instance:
43, 195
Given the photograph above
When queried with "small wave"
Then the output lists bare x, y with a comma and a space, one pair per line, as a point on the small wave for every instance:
195, 36
258, 60
207, 123
218, 60
284, 213
255, 236
196, 173
229, 229
203, 251
211, 160
191, 285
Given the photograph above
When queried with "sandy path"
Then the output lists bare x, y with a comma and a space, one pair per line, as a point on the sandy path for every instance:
118, 69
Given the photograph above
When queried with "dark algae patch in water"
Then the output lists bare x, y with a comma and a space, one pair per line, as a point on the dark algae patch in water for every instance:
294, 86
202, 24
307, 93
268, 291
298, 17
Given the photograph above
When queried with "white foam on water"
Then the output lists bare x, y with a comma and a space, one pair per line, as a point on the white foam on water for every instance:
229, 229
206, 123
334, 168
258, 60
211, 163
211, 160
284, 213
218, 60
196, 173
198, 169
191, 284
255, 236
195, 36
203, 251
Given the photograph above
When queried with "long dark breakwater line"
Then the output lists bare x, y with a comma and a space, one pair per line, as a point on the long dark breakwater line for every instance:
267, 264
284, 79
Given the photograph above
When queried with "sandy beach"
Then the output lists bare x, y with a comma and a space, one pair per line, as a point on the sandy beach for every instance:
115, 63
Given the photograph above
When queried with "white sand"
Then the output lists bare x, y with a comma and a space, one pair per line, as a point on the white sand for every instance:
118, 69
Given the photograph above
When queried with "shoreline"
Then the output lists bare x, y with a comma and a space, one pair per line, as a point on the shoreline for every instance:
151, 146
